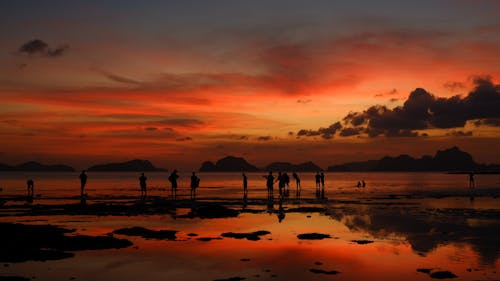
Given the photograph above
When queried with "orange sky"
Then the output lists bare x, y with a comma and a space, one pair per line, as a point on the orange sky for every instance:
119, 90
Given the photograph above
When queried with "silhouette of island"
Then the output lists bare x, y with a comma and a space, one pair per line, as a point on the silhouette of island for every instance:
286, 166
129, 166
451, 159
228, 164
33, 166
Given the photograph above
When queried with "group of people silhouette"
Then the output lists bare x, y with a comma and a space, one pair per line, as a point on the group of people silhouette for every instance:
283, 184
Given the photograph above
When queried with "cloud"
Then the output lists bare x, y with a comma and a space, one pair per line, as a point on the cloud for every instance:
151, 129
304, 101
184, 139
459, 133
389, 93
454, 86
326, 133
346, 132
264, 138
422, 110
40, 47
116, 78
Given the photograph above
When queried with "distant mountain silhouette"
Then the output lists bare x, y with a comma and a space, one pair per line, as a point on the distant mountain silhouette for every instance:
129, 166
452, 159
285, 166
33, 166
228, 164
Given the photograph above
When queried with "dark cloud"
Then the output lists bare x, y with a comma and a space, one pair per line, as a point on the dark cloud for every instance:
346, 132
389, 93
459, 133
454, 86
39, 47
326, 133
264, 138
421, 111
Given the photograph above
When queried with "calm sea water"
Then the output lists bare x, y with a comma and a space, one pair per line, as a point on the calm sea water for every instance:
229, 185
440, 225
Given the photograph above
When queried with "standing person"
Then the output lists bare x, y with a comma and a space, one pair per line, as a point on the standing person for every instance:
31, 187
297, 184
195, 182
245, 185
472, 184
363, 183
286, 183
318, 180
83, 182
142, 183
173, 181
322, 178
281, 182
269, 183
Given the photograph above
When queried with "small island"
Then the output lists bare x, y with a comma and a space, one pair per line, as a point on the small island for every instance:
136, 165
32, 166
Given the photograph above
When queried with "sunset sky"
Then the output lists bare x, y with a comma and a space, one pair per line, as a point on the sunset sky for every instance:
181, 82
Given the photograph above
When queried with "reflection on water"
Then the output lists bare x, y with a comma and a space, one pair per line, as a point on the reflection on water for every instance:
401, 222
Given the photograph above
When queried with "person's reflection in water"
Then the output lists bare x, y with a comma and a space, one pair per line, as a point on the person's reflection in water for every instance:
245, 202
270, 203
281, 211
297, 184
245, 186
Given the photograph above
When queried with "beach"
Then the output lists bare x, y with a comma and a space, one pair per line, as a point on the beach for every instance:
401, 226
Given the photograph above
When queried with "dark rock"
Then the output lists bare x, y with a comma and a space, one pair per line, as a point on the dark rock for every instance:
192, 234
313, 236
20, 243
212, 211
252, 236
321, 271
424, 270
147, 233
442, 275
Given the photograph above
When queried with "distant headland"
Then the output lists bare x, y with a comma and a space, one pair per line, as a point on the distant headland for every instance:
136, 165
33, 166
449, 160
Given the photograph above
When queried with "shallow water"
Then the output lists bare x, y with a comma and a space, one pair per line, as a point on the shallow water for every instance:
415, 220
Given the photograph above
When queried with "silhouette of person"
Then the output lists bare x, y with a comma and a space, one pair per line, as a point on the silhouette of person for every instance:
31, 187
297, 183
363, 183
472, 184
142, 183
359, 184
318, 182
83, 182
286, 183
281, 182
245, 185
322, 178
173, 181
195, 182
269, 182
